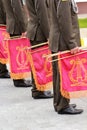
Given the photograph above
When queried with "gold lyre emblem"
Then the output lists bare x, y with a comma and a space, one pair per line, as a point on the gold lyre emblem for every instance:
78, 73
47, 68
22, 57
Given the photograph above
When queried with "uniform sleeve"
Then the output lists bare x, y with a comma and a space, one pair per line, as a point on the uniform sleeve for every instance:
66, 24
18, 11
42, 16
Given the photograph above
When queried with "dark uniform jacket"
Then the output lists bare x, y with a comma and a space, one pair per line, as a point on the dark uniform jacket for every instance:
2, 14
38, 29
64, 29
14, 16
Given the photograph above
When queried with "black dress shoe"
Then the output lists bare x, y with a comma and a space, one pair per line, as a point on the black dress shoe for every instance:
70, 105
43, 95
29, 82
6, 75
70, 110
21, 83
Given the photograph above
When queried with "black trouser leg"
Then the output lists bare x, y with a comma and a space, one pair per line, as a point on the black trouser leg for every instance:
59, 102
34, 90
3, 69
33, 82
17, 81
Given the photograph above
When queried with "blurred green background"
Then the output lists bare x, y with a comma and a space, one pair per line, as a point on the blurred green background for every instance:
83, 22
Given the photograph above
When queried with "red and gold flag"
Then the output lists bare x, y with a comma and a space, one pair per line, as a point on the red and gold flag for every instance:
73, 74
3, 45
41, 67
18, 58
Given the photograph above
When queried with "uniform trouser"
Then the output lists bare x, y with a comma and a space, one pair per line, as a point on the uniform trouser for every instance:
34, 88
3, 69
59, 101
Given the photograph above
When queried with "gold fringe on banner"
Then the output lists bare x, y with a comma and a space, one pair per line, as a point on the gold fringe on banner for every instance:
38, 86
69, 95
76, 94
20, 75
3, 61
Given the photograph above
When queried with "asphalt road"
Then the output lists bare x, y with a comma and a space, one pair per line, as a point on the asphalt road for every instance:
18, 111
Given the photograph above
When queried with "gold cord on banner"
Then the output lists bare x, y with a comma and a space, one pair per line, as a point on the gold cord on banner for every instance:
19, 37
14, 37
3, 25
38, 45
39, 50
28, 48
68, 56
52, 55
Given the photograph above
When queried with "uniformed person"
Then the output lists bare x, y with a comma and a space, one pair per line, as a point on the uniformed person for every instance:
15, 27
3, 68
64, 35
38, 32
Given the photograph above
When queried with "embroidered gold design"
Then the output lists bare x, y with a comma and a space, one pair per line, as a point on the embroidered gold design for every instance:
5, 43
47, 70
78, 73
22, 57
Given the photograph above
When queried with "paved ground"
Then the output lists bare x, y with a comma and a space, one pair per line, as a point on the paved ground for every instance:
83, 32
82, 15
18, 111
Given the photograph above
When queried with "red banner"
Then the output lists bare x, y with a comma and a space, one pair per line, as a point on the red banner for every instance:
41, 68
3, 45
73, 74
18, 58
